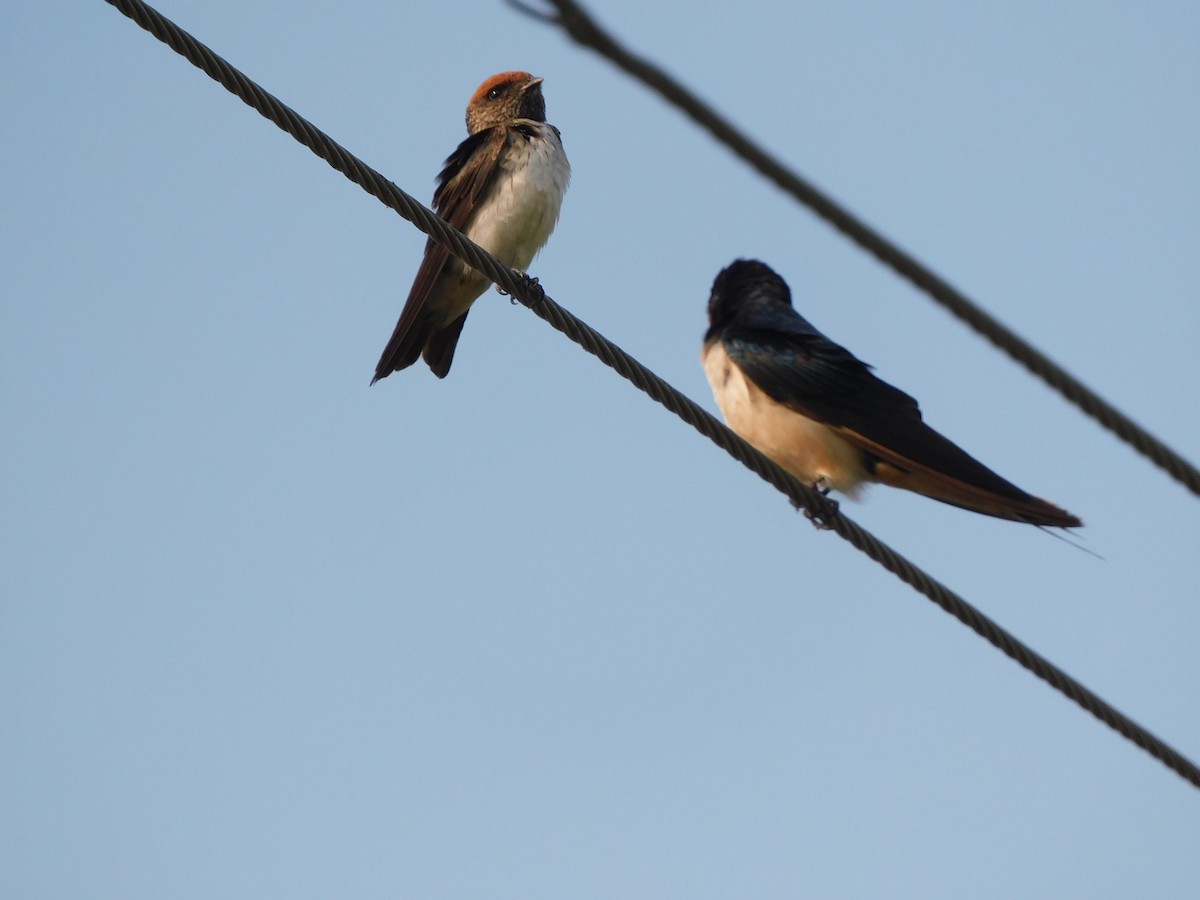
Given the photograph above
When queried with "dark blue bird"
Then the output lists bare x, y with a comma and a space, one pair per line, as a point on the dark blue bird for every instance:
816, 410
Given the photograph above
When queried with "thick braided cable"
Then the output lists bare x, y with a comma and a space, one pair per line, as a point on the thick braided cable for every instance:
531, 295
583, 29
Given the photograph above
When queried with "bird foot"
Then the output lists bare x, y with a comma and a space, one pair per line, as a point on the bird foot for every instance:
819, 519
532, 285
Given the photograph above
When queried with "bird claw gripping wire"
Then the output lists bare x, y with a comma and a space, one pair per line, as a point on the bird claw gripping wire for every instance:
532, 286
820, 518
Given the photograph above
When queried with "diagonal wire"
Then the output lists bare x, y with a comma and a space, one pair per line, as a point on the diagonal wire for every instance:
532, 296
578, 24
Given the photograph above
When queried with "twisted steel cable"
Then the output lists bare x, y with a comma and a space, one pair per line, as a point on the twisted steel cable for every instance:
529, 293
578, 24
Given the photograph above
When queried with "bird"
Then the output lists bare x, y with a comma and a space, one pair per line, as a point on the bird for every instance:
819, 412
503, 188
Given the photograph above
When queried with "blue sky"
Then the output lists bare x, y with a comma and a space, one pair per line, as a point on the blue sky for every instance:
520, 633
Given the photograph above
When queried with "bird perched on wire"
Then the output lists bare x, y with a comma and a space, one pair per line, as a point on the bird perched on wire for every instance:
817, 411
502, 188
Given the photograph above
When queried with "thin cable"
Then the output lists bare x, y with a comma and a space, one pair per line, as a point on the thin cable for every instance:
583, 29
531, 295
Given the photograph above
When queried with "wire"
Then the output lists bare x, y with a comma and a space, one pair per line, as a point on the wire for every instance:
583, 29
529, 293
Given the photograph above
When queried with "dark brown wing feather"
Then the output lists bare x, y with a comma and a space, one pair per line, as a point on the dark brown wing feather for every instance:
465, 178
971, 486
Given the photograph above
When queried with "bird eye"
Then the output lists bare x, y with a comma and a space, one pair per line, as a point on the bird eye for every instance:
495, 92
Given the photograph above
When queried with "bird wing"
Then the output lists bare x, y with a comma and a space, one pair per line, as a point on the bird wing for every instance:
465, 178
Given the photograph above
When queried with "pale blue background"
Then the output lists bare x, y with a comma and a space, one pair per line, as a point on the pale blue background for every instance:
268, 632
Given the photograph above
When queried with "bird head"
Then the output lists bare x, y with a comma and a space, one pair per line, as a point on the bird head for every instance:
503, 99
745, 283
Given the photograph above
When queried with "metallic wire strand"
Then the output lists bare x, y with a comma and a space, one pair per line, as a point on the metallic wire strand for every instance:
578, 24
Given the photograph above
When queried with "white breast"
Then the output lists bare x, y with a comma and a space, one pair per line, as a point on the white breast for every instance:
516, 220
809, 450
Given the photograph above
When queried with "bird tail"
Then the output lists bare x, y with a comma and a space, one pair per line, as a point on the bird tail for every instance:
402, 350
439, 348
1014, 504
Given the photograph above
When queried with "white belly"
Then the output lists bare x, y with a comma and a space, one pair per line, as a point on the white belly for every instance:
513, 222
807, 449
516, 220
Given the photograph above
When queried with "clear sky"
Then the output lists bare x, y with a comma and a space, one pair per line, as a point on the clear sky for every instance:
268, 632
